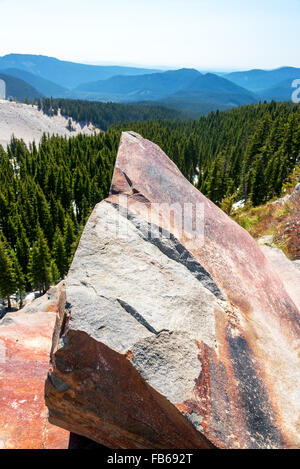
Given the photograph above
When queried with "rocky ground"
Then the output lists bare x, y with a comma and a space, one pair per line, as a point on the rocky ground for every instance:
28, 123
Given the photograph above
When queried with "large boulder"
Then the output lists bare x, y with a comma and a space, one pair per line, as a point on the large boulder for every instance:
173, 337
25, 344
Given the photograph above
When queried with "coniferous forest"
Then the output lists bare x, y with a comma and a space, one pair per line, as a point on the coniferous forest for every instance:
103, 115
48, 191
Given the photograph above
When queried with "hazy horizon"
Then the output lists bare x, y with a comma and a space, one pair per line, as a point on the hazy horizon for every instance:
150, 66
209, 36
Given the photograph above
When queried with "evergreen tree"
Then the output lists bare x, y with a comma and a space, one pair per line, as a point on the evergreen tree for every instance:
19, 277
59, 254
34, 269
40, 274
8, 283
55, 275
69, 237
23, 250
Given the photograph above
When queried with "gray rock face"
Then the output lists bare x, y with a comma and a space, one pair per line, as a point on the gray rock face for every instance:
153, 309
123, 303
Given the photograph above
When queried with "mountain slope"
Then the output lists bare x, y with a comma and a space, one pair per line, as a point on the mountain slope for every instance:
148, 87
19, 89
200, 104
185, 89
27, 123
211, 82
258, 80
45, 87
208, 93
66, 74
281, 92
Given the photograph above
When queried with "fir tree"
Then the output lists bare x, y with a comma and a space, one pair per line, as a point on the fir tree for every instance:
59, 254
19, 277
69, 238
8, 283
40, 274
55, 275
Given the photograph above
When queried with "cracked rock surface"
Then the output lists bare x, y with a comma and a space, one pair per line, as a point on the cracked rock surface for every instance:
173, 338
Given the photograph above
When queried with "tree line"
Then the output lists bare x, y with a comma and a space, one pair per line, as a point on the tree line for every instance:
103, 115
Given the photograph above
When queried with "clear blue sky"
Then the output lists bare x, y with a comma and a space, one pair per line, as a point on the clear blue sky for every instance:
206, 34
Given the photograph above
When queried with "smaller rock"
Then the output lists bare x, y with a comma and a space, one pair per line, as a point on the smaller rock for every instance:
297, 264
293, 197
266, 240
25, 344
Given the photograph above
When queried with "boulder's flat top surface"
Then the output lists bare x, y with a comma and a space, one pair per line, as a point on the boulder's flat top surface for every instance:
25, 344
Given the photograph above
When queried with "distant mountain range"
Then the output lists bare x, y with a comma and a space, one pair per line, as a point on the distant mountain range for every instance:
184, 89
19, 89
268, 84
66, 74
260, 80
280, 92
209, 92
45, 87
147, 87
200, 94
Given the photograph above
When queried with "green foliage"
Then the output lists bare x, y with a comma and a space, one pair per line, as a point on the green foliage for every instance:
46, 196
248, 222
40, 264
54, 272
291, 181
59, 253
103, 115
8, 281
227, 204
48, 192
70, 237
